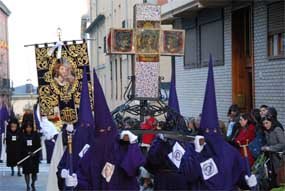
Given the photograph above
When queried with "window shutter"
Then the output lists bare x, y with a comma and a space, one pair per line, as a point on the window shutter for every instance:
212, 42
124, 24
276, 21
105, 45
210, 15
191, 48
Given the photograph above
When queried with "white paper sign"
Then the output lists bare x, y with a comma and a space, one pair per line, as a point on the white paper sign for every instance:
209, 168
84, 150
29, 142
14, 138
108, 171
176, 155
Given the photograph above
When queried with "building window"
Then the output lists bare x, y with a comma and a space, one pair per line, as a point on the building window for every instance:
204, 36
105, 45
276, 29
116, 77
121, 79
124, 24
211, 42
190, 57
111, 79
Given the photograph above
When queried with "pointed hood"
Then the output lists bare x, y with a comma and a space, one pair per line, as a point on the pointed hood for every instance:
84, 129
4, 113
103, 118
173, 99
4, 116
209, 125
85, 116
37, 116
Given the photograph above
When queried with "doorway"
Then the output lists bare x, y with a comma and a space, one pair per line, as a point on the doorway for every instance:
242, 59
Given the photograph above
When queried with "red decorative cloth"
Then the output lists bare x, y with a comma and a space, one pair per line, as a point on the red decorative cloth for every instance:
149, 124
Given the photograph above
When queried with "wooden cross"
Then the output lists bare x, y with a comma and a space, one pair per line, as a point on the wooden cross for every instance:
147, 41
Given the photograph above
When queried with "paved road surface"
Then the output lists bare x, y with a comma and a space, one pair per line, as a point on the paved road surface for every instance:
15, 183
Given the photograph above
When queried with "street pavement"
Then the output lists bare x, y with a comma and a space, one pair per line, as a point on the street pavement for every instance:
15, 183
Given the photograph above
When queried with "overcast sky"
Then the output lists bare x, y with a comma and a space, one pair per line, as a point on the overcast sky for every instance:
36, 21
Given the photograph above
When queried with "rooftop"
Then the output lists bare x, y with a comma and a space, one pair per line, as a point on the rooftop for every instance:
185, 8
4, 8
26, 89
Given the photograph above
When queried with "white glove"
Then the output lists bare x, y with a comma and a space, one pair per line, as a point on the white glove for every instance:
71, 181
132, 137
198, 147
161, 136
251, 181
69, 128
64, 173
265, 148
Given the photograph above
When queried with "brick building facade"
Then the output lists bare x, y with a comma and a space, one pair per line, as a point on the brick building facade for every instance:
247, 41
4, 60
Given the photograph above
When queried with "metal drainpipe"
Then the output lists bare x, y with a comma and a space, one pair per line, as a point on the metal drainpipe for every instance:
127, 26
97, 37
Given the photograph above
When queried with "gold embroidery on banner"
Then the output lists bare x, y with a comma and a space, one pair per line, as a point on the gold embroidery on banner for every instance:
77, 98
55, 89
41, 59
47, 104
68, 114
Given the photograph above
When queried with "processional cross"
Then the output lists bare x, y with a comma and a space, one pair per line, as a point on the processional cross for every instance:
147, 41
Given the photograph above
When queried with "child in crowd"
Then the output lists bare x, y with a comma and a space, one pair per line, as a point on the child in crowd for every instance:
13, 142
30, 143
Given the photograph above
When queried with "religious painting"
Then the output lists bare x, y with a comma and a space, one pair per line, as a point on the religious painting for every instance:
107, 171
147, 12
147, 58
147, 80
147, 41
172, 42
63, 75
60, 80
148, 24
121, 41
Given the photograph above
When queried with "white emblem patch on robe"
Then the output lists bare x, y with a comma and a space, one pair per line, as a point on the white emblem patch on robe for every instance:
176, 155
209, 168
29, 142
14, 138
108, 171
84, 150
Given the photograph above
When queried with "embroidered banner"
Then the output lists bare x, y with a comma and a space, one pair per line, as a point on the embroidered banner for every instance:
60, 80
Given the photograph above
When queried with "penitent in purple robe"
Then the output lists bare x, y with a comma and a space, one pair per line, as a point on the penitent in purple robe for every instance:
219, 166
127, 159
231, 168
84, 133
49, 144
166, 175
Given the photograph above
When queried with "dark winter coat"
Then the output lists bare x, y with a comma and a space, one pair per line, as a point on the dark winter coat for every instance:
29, 144
275, 139
13, 149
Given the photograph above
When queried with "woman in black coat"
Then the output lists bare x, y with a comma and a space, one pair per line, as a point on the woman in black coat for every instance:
13, 142
275, 142
30, 142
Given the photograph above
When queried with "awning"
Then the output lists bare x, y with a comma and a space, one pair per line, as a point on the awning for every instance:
187, 8
5, 10
95, 23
